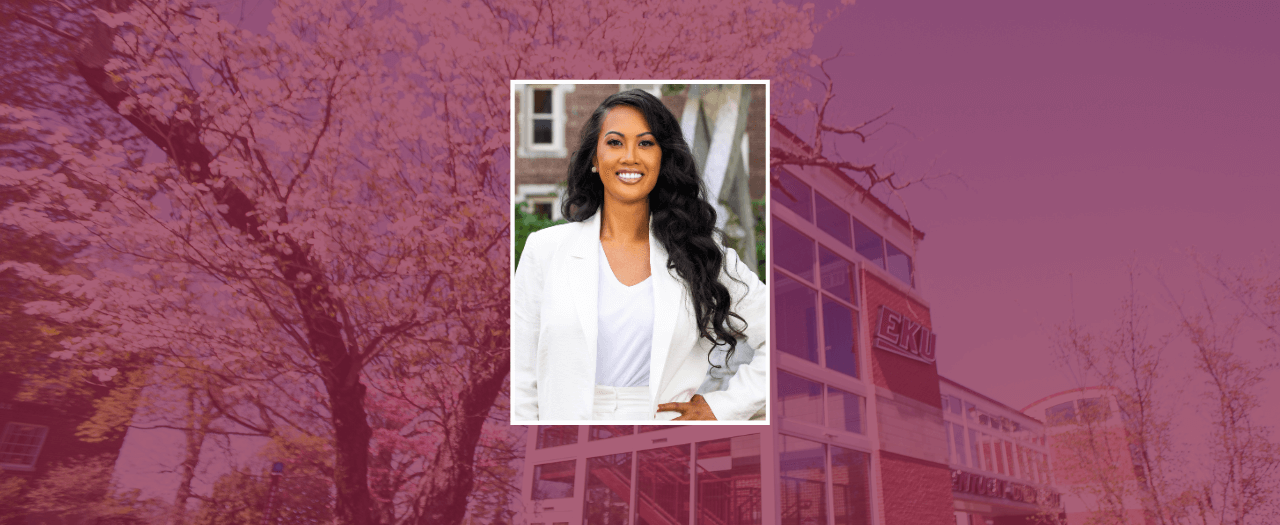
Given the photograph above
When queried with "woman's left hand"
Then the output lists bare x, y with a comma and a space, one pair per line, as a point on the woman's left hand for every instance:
695, 410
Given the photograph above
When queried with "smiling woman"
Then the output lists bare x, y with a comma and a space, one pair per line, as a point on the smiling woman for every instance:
615, 314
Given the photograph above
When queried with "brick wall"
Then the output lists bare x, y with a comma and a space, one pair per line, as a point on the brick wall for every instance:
916, 492
578, 107
584, 100
910, 428
900, 374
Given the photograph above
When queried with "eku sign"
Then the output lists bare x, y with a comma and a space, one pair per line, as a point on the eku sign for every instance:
895, 333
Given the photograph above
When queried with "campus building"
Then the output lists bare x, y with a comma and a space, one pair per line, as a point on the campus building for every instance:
863, 430
38, 434
1000, 460
1093, 457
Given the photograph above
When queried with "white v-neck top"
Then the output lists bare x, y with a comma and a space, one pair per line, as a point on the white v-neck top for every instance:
625, 336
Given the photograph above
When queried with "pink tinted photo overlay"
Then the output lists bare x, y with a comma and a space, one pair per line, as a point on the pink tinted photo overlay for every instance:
255, 263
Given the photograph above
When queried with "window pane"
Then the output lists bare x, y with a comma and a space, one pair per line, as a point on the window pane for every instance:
1024, 468
21, 445
1094, 409
554, 436
795, 312
609, 431
900, 264
663, 486
868, 243
951, 442
832, 219
1008, 456
844, 410
793, 194
838, 329
804, 478
801, 399
541, 131
955, 406
542, 101
542, 209
1048, 473
997, 448
553, 480
837, 275
957, 434
1061, 413
729, 481
973, 448
988, 454
608, 494
792, 250
850, 491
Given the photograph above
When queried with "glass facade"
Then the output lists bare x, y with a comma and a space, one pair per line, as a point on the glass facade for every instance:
793, 195
804, 473
729, 482
663, 479
681, 475
982, 441
811, 278
821, 401
556, 436
553, 480
608, 491
817, 452
850, 487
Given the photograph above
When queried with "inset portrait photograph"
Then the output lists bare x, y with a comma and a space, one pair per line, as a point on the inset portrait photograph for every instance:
639, 237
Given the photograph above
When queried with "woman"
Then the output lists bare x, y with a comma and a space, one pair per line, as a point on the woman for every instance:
615, 314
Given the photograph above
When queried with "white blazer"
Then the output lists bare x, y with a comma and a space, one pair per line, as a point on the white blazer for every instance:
554, 328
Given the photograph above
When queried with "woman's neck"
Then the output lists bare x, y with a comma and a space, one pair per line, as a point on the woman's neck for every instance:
624, 222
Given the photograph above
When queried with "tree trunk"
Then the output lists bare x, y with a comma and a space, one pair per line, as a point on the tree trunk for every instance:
197, 422
339, 366
445, 497
351, 435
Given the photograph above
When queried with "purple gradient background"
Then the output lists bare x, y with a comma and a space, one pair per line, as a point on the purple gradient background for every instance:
1086, 135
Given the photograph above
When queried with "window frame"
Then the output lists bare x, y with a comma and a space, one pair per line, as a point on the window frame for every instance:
9, 430
828, 473
573, 482
557, 148
821, 240
824, 431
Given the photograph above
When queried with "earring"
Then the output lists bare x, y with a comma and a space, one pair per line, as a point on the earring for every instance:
593, 169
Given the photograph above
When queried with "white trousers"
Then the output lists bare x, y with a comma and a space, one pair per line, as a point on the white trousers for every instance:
621, 402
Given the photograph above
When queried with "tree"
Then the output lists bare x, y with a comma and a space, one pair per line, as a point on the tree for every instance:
80, 491
1116, 464
1145, 458
322, 250
825, 136
241, 497
1244, 462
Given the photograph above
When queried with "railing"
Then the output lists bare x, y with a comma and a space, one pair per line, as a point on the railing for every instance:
663, 496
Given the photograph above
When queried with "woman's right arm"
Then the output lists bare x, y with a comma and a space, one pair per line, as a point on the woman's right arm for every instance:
526, 308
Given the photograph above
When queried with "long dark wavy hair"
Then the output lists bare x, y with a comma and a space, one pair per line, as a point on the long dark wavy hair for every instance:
682, 219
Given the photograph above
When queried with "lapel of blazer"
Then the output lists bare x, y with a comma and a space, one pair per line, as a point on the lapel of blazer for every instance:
668, 295
584, 259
